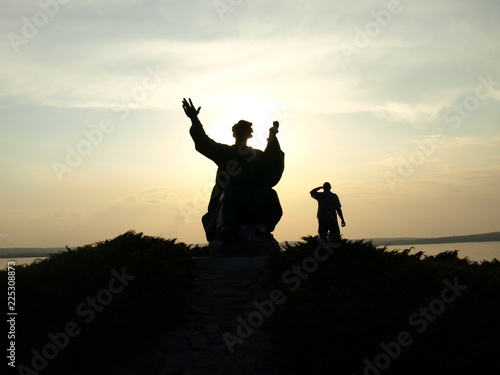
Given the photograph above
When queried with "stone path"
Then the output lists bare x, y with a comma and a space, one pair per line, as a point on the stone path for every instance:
220, 307
218, 338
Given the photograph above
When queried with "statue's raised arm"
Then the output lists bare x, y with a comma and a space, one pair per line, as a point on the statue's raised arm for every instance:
273, 160
202, 142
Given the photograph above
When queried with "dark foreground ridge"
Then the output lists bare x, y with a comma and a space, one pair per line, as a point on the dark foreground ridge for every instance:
145, 305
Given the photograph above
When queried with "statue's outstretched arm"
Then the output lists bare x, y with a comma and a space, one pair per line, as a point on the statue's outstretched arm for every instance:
202, 142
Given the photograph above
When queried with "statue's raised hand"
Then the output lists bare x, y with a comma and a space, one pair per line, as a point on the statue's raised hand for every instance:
189, 109
273, 131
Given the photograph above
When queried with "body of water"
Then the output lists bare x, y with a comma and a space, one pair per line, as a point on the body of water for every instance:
476, 251
18, 261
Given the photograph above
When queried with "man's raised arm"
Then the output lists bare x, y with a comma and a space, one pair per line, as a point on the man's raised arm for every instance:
314, 191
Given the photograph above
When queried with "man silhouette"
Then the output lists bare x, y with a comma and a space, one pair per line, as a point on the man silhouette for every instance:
243, 204
328, 208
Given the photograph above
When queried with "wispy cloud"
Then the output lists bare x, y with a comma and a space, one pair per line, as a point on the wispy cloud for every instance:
153, 196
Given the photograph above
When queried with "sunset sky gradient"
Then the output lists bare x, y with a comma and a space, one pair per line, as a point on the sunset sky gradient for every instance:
396, 103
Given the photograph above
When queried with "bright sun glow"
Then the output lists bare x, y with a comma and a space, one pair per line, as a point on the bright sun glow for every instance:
228, 111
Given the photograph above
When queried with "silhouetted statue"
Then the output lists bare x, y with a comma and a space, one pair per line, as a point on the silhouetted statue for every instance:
328, 208
243, 205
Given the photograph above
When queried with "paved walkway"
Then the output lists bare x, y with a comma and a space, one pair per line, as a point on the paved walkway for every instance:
218, 338
218, 315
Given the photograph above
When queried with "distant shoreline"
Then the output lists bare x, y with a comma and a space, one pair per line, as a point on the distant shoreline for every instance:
29, 252
483, 237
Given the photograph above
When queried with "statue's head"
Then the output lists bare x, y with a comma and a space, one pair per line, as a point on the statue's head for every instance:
242, 130
327, 186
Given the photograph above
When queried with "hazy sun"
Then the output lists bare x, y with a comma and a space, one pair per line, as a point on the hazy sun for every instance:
227, 111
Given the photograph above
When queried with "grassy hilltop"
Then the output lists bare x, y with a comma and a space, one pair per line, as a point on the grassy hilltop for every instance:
352, 309
98, 298
366, 310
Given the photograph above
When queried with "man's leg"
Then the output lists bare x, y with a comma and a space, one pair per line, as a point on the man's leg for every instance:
334, 229
323, 228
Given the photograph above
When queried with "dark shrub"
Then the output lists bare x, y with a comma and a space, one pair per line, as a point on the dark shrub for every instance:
152, 281
362, 296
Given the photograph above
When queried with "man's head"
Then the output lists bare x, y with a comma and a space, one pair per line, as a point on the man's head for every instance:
327, 186
242, 130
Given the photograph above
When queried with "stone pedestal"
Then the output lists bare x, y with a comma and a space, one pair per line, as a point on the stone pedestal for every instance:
232, 264
238, 256
242, 248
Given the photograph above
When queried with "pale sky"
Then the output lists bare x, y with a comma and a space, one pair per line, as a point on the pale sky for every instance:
396, 103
